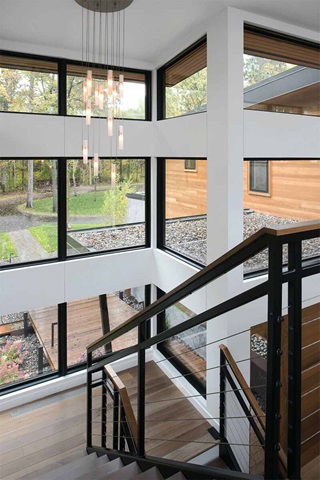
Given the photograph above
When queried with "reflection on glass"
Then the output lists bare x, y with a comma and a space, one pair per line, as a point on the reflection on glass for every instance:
187, 348
28, 210
25, 345
186, 208
105, 211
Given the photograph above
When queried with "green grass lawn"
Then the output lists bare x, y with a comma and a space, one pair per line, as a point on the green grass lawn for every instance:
47, 236
6, 246
82, 204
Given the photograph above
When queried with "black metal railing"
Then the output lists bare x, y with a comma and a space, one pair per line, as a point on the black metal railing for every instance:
272, 288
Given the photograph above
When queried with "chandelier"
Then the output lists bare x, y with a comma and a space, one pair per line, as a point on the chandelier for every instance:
103, 36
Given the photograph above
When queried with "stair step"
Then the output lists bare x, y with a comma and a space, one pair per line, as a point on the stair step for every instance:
65, 470
151, 474
177, 476
128, 472
102, 471
87, 469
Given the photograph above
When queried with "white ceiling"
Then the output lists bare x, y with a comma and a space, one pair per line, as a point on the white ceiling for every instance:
152, 26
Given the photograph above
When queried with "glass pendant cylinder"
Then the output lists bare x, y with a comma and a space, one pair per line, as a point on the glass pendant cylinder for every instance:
113, 175
96, 95
85, 151
88, 112
110, 123
121, 85
89, 82
110, 82
95, 165
120, 137
84, 90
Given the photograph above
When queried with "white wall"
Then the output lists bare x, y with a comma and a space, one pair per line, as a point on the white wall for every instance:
49, 135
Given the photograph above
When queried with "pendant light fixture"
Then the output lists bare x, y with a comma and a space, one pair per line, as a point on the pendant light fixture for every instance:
103, 35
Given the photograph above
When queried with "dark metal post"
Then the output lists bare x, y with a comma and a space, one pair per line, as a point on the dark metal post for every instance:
89, 402
53, 324
272, 446
25, 324
222, 396
141, 392
104, 313
40, 359
116, 420
104, 411
294, 361
62, 336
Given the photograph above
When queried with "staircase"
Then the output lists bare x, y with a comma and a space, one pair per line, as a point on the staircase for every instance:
93, 467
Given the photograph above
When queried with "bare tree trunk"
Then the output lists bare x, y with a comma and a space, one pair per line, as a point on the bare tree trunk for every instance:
74, 177
90, 172
30, 184
54, 187
4, 177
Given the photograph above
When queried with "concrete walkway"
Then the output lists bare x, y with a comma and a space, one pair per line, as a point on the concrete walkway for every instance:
27, 247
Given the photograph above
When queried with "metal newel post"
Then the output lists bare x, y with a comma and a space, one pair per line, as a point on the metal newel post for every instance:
294, 361
141, 392
275, 319
89, 402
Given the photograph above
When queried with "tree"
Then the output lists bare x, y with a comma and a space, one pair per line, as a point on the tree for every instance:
30, 184
256, 69
187, 95
115, 204
54, 186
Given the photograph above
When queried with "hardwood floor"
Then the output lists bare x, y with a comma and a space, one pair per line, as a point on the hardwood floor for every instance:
51, 432
83, 327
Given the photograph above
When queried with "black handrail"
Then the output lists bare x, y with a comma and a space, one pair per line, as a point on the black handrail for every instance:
273, 239
235, 257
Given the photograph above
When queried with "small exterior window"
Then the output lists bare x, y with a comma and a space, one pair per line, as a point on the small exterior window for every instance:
259, 178
190, 165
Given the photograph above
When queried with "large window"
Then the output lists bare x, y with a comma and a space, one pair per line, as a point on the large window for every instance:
281, 73
133, 104
96, 211
293, 196
28, 85
28, 233
182, 202
182, 83
106, 211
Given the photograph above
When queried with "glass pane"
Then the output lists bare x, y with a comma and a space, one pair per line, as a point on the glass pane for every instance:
188, 96
28, 91
25, 345
106, 211
277, 86
186, 209
28, 210
89, 319
293, 197
132, 105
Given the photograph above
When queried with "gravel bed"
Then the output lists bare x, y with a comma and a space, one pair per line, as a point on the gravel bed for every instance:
13, 317
131, 301
259, 346
29, 354
112, 238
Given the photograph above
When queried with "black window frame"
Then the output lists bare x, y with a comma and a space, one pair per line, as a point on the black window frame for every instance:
62, 213
161, 77
63, 368
62, 83
161, 210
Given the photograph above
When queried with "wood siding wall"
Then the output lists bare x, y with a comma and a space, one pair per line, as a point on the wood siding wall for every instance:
294, 190
186, 190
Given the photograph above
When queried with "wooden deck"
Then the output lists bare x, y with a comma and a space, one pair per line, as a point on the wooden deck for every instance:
48, 433
83, 327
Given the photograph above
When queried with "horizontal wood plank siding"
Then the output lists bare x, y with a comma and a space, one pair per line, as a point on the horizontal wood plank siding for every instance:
294, 190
